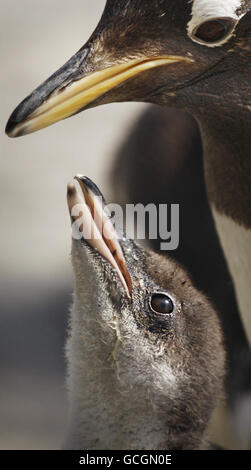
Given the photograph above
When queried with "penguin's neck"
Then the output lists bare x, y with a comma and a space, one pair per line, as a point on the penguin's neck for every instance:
105, 412
105, 416
226, 145
102, 418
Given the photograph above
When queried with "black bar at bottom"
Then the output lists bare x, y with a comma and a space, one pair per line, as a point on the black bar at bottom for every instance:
111, 459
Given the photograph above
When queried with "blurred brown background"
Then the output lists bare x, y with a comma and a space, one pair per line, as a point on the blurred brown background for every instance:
37, 38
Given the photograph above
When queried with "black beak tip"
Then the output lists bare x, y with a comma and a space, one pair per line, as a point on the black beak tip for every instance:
69, 72
16, 124
90, 185
10, 126
17, 117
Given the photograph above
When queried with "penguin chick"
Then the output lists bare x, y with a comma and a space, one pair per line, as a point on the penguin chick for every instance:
146, 360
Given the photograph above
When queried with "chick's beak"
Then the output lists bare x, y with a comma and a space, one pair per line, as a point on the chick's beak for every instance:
82, 80
91, 219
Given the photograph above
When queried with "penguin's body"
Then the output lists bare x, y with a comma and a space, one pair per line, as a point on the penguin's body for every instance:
233, 235
146, 359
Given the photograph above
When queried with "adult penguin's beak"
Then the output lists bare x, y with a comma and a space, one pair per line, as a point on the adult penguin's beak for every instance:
76, 85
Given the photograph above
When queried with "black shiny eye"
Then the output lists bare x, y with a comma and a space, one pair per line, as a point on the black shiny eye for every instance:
161, 303
214, 30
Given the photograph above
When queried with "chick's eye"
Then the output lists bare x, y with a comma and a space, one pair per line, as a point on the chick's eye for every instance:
214, 30
161, 303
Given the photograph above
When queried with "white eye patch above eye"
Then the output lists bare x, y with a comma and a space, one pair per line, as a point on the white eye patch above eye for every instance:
213, 21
